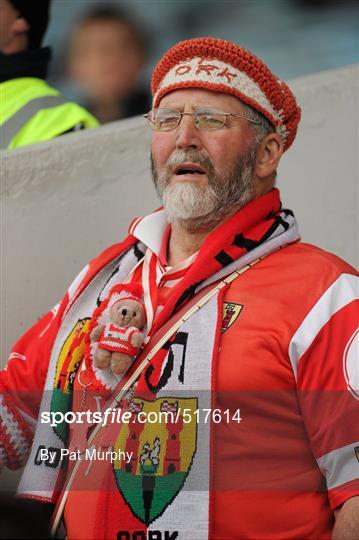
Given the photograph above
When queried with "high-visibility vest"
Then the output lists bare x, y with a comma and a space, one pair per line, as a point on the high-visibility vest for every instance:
32, 111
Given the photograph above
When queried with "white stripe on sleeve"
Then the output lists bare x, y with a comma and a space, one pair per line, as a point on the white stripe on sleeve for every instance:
340, 465
343, 291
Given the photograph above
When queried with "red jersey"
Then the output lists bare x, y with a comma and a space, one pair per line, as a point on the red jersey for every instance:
294, 456
284, 357
116, 339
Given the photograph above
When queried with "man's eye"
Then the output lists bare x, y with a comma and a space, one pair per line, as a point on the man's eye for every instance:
167, 121
210, 120
134, 314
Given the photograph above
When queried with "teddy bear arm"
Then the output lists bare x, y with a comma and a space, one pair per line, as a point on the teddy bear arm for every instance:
136, 339
96, 333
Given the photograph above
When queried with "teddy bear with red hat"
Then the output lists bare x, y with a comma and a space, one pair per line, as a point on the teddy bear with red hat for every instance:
120, 336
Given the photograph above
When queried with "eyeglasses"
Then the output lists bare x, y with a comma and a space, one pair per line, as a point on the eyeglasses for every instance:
205, 119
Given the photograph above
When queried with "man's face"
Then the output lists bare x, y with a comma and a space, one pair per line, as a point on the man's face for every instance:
8, 16
225, 157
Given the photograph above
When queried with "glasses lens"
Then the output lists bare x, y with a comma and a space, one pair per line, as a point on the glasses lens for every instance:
164, 119
209, 119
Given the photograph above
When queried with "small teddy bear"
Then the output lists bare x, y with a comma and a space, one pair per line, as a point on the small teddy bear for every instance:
119, 340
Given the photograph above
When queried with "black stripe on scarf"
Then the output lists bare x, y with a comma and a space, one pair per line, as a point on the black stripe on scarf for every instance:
188, 293
138, 253
223, 258
248, 244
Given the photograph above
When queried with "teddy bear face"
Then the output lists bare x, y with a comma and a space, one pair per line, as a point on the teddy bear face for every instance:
126, 313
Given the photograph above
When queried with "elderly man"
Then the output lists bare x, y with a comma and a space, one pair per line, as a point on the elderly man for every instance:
242, 406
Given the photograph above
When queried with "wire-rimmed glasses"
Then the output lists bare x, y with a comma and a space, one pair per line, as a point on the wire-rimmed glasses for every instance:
204, 118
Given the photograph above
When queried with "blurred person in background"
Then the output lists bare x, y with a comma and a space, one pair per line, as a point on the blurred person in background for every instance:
31, 110
106, 56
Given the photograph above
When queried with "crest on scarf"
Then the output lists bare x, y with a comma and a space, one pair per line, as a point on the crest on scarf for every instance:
70, 357
231, 313
162, 454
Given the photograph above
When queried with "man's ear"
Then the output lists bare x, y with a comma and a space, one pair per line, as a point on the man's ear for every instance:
268, 155
20, 26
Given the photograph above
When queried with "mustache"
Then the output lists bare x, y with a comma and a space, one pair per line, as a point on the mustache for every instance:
180, 156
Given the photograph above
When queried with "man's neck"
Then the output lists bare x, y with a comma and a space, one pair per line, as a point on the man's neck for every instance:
187, 238
184, 243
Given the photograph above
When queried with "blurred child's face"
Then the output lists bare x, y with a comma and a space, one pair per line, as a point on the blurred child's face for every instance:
104, 59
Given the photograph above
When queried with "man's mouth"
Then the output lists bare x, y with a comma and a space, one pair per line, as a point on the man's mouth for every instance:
188, 168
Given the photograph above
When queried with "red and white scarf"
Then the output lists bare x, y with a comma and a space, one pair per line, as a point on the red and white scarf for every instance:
153, 272
181, 373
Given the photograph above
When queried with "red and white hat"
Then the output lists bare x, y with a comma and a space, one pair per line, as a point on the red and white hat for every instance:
128, 291
222, 66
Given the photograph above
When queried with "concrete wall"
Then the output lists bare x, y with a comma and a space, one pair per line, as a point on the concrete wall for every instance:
64, 201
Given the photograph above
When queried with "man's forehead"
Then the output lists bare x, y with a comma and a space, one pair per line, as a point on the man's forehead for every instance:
198, 97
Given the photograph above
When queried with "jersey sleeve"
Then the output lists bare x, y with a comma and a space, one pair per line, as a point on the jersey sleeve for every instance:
21, 387
324, 353
23, 378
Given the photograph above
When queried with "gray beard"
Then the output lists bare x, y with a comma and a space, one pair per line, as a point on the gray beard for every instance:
197, 207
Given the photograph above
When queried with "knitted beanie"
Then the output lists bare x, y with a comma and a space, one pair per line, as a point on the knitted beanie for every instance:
37, 15
222, 66
128, 291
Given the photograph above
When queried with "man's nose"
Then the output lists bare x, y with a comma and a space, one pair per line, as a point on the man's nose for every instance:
188, 136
